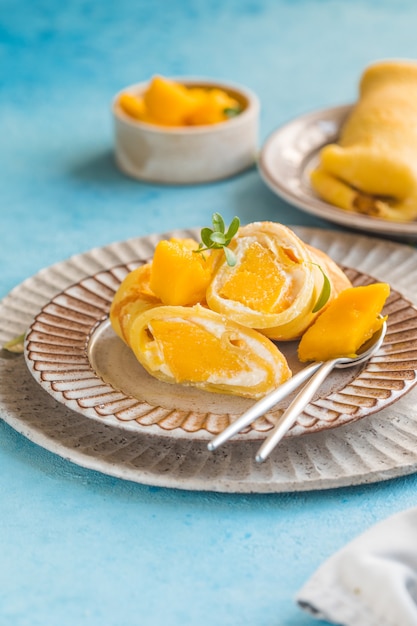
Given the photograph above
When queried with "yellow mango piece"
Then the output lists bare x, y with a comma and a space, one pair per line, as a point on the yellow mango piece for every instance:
198, 347
180, 276
133, 296
133, 106
213, 107
168, 102
346, 324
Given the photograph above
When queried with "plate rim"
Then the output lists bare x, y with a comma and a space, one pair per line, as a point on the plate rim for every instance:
314, 205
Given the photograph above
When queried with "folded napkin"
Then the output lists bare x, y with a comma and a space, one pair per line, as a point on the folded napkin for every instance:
370, 582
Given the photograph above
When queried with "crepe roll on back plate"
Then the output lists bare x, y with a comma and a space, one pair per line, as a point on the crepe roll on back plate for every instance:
197, 347
276, 282
372, 169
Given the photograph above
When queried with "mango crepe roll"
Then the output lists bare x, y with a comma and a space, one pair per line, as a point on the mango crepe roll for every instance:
372, 169
133, 296
276, 282
197, 347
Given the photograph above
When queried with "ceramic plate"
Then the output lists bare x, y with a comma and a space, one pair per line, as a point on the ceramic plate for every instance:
73, 353
378, 447
291, 152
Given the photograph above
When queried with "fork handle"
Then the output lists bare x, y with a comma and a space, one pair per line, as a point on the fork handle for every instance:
263, 405
290, 415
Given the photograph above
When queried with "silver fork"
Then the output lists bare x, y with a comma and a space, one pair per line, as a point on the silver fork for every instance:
320, 370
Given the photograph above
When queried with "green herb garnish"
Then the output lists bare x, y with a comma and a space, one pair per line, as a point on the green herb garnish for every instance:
325, 291
15, 345
232, 111
218, 237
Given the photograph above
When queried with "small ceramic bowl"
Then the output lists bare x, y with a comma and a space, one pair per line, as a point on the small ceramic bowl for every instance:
187, 154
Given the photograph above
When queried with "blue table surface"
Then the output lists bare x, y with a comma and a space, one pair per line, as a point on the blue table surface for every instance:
77, 546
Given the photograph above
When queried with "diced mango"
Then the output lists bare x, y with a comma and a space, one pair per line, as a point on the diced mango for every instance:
346, 324
133, 106
168, 102
213, 108
179, 275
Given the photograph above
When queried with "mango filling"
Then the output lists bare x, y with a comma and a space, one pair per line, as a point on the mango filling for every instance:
193, 354
263, 281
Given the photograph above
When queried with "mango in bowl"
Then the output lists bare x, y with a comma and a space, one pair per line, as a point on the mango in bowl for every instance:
184, 131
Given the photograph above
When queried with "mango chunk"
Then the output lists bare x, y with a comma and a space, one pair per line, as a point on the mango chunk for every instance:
346, 324
168, 102
179, 275
215, 106
133, 106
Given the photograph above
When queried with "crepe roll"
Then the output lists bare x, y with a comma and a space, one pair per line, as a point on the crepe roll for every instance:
276, 282
133, 296
197, 347
372, 169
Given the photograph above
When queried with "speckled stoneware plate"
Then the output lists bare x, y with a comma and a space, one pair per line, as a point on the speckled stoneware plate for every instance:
73, 353
380, 446
291, 152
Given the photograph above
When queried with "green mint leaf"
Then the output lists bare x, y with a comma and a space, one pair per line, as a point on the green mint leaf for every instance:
233, 228
218, 223
232, 111
230, 257
215, 238
206, 234
15, 345
218, 238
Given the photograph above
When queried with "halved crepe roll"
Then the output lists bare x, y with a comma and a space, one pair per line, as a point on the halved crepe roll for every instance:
276, 282
133, 296
372, 169
197, 347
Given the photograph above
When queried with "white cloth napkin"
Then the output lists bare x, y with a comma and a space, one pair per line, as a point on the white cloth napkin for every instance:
370, 582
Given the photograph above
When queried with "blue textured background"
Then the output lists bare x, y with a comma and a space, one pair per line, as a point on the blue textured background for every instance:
78, 547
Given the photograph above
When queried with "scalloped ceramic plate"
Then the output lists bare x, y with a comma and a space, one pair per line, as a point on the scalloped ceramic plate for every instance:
380, 447
291, 152
73, 353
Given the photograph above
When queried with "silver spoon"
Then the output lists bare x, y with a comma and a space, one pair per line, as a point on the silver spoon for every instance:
290, 415
268, 401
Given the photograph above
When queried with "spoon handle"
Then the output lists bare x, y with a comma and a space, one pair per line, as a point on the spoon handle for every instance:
290, 415
263, 405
